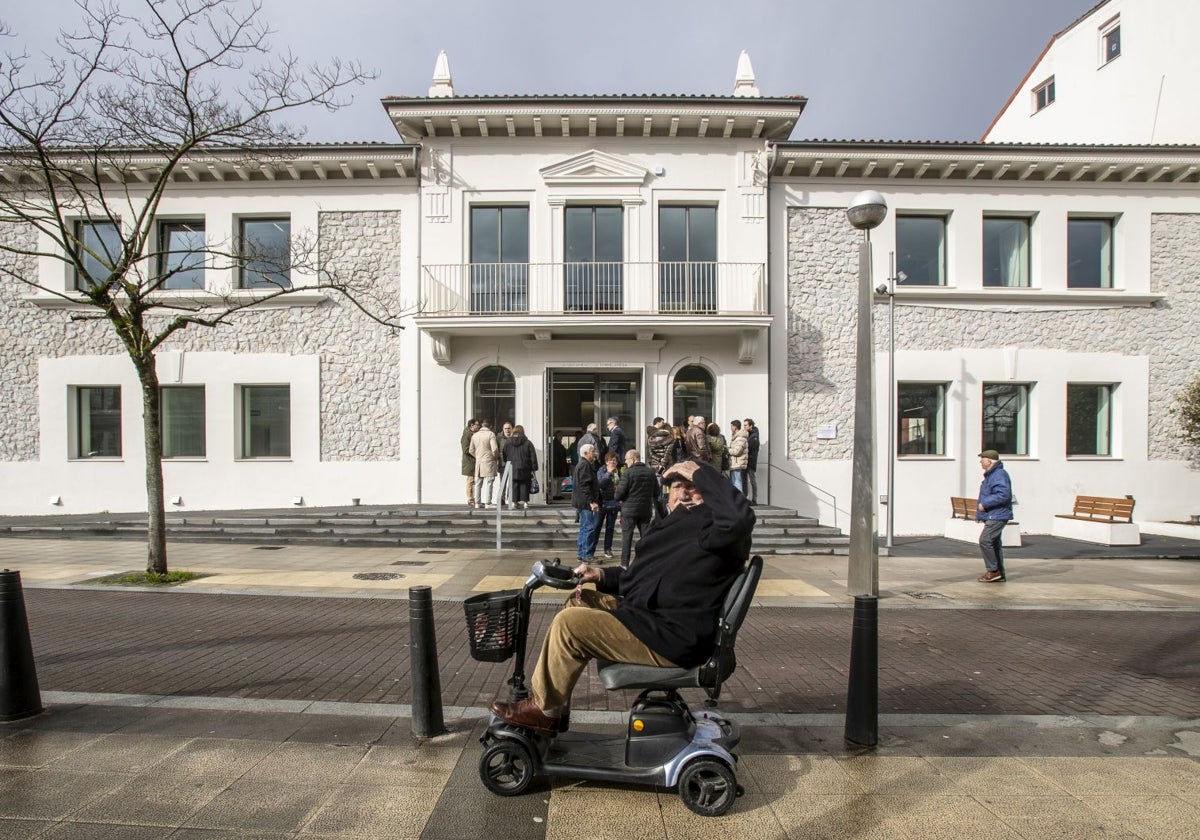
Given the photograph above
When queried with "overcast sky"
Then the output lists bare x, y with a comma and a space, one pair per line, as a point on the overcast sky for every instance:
871, 69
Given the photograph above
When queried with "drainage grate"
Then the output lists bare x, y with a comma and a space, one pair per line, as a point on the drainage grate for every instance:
925, 595
434, 551
378, 576
268, 548
411, 563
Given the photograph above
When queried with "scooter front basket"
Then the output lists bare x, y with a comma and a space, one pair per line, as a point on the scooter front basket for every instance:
492, 624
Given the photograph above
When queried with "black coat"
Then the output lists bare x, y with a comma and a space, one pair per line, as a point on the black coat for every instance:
672, 596
585, 489
523, 457
754, 444
637, 490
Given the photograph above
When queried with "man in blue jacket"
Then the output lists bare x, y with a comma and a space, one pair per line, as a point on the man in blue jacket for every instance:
994, 511
661, 611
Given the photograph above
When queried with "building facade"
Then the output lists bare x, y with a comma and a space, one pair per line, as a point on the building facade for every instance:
570, 259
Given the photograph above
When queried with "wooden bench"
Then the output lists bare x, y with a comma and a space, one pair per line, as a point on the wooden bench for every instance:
962, 525
1107, 520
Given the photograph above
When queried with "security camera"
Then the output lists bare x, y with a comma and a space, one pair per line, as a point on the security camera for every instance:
881, 289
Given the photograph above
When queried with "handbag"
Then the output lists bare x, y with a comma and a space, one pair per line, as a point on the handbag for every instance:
534, 487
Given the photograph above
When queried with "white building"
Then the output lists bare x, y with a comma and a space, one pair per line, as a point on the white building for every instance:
1123, 73
575, 258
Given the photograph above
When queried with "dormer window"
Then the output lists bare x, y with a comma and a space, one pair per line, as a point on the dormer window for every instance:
1043, 94
1110, 41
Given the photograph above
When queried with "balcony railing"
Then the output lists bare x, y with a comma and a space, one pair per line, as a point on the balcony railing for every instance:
657, 288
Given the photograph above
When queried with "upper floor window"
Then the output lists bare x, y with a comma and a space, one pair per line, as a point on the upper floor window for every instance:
265, 248
1110, 41
98, 246
1089, 419
921, 249
1006, 417
499, 259
1043, 94
1089, 253
595, 252
181, 254
97, 422
921, 418
1005, 251
181, 420
687, 255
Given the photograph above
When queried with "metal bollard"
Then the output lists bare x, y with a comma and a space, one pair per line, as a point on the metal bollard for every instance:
19, 694
862, 698
426, 682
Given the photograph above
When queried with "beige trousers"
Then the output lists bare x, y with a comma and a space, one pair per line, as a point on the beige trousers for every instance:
583, 631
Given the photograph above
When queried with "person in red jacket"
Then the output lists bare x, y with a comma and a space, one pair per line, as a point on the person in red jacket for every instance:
660, 611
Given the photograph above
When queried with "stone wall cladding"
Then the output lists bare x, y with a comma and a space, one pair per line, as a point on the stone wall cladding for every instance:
360, 359
822, 278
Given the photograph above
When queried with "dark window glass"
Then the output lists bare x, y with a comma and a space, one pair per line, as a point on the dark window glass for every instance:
687, 254
98, 422
1089, 253
181, 418
499, 259
98, 245
1089, 419
266, 250
1006, 252
1006, 418
495, 396
1112, 44
921, 250
693, 393
1045, 94
266, 421
595, 251
181, 255
920, 418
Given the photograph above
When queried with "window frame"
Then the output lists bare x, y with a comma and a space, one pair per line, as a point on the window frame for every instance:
246, 430
1111, 222
1109, 389
1026, 246
247, 264
82, 256
689, 284
501, 285
943, 220
1107, 32
1044, 95
163, 230
78, 406
163, 422
936, 430
1024, 421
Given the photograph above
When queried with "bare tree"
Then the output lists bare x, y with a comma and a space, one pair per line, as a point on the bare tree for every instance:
91, 139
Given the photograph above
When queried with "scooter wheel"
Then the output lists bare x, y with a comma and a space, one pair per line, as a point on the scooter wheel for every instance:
506, 768
708, 787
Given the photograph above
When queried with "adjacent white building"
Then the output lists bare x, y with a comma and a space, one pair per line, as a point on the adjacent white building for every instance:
571, 258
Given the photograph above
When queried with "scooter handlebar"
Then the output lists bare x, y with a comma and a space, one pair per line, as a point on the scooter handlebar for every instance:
552, 573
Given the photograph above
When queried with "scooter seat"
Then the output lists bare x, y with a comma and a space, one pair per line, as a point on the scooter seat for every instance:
616, 675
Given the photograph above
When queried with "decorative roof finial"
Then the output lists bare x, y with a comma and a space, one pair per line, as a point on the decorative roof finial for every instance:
743, 83
443, 85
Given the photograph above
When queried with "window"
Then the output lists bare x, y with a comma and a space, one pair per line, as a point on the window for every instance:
595, 253
687, 254
266, 253
1006, 418
98, 247
921, 250
181, 255
495, 396
1089, 419
499, 259
1005, 252
266, 421
98, 422
693, 393
1089, 253
1043, 94
1110, 42
181, 421
921, 418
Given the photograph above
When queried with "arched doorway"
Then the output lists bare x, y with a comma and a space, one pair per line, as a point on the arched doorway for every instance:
692, 392
494, 396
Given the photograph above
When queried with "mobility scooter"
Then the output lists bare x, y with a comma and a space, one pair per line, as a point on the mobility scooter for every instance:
665, 743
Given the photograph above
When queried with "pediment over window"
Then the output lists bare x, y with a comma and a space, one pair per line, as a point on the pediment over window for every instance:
594, 167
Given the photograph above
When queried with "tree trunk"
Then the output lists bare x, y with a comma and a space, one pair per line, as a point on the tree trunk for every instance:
156, 515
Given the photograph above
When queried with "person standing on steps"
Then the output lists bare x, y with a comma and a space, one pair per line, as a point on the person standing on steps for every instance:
636, 494
585, 496
468, 460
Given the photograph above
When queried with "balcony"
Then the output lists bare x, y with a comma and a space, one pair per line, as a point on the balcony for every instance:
593, 289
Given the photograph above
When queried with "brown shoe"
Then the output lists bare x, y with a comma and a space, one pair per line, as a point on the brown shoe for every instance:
525, 713
991, 577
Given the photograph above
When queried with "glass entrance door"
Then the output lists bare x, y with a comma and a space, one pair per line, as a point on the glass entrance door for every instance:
578, 398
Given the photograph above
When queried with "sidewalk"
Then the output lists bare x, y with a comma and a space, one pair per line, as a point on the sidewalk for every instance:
1060, 704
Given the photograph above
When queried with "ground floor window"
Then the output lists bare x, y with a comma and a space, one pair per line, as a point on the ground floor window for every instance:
693, 393
1089, 419
181, 420
266, 421
921, 418
495, 396
98, 422
1006, 417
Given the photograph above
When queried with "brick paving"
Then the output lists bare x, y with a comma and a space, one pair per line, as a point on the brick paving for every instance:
792, 660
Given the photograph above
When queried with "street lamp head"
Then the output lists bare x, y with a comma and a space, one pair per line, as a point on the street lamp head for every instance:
867, 210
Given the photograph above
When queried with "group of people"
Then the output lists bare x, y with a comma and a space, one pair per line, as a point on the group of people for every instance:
484, 454
735, 456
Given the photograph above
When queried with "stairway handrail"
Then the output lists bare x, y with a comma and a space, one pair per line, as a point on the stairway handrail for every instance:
498, 496
832, 498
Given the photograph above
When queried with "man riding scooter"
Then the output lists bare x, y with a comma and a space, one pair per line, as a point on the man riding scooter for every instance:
661, 611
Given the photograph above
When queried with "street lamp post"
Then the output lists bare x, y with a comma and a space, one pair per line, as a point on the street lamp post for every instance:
866, 211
